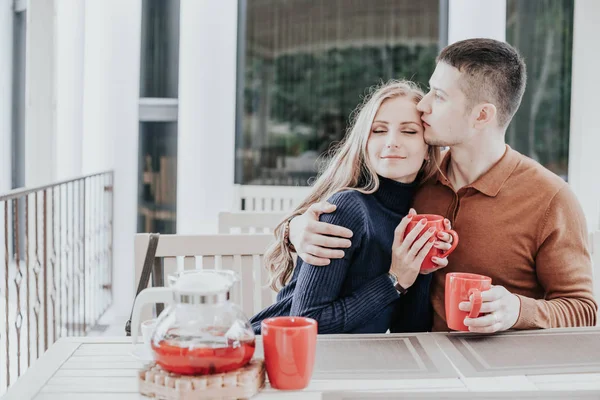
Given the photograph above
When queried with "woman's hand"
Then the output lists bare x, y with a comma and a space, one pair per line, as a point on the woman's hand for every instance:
408, 253
317, 242
443, 243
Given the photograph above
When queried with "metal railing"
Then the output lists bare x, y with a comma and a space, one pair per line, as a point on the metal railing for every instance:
55, 266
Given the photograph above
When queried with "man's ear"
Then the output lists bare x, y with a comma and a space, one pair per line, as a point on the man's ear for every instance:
485, 114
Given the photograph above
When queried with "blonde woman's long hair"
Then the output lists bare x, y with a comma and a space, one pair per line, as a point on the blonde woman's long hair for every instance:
349, 168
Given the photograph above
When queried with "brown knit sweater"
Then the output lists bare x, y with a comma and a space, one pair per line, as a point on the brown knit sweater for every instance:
521, 225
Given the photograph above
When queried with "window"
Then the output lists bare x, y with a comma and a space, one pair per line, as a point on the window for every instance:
159, 75
158, 181
18, 97
542, 30
306, 65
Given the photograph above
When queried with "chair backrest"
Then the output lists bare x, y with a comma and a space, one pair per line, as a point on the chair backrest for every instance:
242, 254
268, 198
249, 221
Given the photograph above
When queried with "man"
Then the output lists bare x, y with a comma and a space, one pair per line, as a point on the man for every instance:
518, 223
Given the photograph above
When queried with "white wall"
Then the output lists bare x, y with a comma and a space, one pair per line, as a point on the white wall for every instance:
476, 18
70, 33
40, 94
207, 97
584, 163
6, 49
111, 92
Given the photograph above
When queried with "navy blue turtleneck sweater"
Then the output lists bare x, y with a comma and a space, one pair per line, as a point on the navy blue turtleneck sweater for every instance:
354, 294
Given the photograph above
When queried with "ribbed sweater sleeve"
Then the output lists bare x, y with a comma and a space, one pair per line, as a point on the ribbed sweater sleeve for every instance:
318, 289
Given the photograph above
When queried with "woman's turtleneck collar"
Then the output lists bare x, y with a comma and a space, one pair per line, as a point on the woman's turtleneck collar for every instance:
396, 196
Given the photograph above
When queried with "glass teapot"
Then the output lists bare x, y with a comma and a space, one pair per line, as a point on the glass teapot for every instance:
201, 331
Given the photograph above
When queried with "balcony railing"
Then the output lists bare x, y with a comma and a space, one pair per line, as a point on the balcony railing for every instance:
55, 266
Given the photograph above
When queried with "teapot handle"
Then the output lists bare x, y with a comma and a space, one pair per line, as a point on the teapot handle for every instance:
146, 296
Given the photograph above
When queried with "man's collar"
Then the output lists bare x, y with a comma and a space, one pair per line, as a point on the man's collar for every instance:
490, 182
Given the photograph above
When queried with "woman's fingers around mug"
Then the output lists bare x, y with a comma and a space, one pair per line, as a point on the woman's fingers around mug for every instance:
445, 237
444, 246
411, 236
423, 252
440, 261
401, 229
419, 243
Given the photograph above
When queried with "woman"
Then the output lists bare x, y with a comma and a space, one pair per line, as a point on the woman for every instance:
371, 178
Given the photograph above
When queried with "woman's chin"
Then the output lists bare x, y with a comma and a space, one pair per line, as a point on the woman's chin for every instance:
398, 177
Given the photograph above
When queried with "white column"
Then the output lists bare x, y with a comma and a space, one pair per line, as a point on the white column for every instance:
6, 63
584, 145
111, 93
476, 19
70, 32
207, 97
98, 97
40, 93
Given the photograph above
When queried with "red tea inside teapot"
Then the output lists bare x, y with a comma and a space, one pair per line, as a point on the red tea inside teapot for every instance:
182, 356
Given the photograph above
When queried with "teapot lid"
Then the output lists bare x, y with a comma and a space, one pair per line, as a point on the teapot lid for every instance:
202, 286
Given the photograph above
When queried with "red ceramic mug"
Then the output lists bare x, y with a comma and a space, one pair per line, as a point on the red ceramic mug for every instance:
459, 287
289, 344
437, 222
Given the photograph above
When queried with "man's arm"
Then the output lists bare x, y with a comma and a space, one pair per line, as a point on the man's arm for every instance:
564, 269
318, 242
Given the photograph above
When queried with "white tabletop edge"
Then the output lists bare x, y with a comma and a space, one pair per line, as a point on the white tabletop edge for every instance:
34, 379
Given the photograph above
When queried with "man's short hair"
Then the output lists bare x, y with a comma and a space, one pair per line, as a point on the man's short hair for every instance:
493, 71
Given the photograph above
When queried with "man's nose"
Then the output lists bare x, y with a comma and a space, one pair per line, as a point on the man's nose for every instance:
423, 105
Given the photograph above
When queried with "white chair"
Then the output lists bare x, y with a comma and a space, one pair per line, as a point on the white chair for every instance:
242, 254
249, 221
268, 198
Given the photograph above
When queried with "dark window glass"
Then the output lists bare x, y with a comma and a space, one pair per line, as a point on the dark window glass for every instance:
307, 64
159, 65
157, 191
18, 99
542, 30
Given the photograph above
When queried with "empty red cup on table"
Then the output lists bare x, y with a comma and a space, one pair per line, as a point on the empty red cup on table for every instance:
464, 287
289, 346
437, 222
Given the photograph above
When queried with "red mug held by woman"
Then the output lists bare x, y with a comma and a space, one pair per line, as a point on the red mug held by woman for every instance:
464, 287
289, 344
437, 222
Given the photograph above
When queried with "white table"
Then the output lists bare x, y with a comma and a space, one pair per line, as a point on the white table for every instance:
102, 368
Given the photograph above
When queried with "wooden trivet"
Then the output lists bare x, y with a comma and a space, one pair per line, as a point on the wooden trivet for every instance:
239, 384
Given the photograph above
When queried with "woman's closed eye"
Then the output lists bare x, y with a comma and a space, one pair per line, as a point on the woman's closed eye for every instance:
410, 132
379, 131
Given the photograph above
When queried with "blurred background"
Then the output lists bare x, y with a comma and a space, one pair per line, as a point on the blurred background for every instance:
125, 116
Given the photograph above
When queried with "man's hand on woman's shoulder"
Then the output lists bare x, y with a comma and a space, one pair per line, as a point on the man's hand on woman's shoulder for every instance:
318, 242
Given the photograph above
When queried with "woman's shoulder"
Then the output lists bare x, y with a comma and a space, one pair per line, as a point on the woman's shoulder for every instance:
351, 209
348, 198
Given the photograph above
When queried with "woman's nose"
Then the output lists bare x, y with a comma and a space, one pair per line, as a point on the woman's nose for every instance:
392, 142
